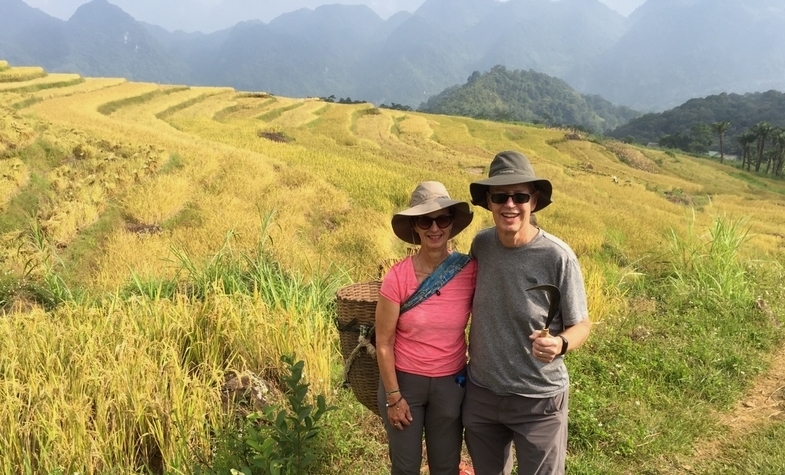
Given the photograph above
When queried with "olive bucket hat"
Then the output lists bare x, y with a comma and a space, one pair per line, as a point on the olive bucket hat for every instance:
511, 168
430, 196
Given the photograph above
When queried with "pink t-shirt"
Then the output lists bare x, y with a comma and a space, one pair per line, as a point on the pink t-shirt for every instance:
430, 338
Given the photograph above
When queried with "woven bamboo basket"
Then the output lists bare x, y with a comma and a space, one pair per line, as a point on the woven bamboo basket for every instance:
356, 307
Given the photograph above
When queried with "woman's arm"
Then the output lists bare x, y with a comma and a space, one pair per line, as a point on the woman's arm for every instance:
386, 322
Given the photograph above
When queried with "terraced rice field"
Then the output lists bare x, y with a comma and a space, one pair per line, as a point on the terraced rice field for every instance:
111, 185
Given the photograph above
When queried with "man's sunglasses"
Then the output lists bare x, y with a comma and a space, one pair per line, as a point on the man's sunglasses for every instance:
425, 222
517, 198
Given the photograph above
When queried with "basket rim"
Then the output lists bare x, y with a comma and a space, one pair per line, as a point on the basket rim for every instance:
351, 290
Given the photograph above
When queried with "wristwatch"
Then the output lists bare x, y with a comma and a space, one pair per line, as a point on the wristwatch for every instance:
565, 344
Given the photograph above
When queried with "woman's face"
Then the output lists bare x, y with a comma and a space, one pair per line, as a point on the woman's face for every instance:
429, 230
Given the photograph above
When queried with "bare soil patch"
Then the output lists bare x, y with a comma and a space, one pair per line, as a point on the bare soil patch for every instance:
764, 403
143, 228
274, 136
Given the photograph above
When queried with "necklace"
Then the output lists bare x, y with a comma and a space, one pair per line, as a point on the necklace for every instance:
421, 264
419, 268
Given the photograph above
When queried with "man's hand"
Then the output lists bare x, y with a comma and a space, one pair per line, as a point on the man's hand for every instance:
545, 348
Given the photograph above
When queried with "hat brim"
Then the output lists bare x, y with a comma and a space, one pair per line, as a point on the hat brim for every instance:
479, 189
401, 222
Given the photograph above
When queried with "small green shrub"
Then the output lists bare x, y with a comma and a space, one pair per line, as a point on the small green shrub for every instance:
706, 268
282, 440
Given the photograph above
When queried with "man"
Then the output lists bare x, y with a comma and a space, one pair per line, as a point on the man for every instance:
517, 388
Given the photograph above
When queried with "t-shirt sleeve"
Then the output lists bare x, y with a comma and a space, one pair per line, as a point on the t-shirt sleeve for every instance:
393, 286
575, 305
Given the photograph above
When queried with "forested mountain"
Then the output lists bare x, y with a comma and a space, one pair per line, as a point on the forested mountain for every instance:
304, 53
527, 96
675, 50
666, 53
99, 39
28, 35
742, 112
444, 41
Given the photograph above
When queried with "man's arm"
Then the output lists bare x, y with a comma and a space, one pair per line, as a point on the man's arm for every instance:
576, 334
547, 348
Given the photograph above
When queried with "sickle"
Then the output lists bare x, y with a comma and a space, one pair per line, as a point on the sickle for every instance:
553, 304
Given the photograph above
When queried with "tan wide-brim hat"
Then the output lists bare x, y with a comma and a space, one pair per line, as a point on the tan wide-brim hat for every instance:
430, 196
511, 168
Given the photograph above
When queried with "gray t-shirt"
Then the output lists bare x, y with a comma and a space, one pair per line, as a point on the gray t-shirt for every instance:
504, 314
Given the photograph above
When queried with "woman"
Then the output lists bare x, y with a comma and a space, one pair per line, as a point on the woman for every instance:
420, 335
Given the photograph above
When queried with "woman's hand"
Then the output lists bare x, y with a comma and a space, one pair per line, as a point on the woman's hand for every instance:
399, 414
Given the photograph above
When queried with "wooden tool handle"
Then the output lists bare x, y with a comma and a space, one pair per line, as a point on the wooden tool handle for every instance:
544, 332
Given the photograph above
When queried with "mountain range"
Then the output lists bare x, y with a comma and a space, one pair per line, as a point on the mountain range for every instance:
665, 53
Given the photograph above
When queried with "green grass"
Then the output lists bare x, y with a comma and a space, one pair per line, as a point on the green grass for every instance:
758, 453
81, 254
169, 111
9, 287
276, 113
649, 384
173, 164
48, 85
110, 107
24, 204
40, 157
758, 182
189, 217
26, 102
21, 74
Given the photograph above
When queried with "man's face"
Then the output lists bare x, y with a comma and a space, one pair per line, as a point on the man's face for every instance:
509, 214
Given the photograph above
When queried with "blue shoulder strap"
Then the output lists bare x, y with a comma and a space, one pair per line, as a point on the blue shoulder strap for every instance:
448, 269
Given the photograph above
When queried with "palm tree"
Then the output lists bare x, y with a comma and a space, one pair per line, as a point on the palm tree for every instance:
778, 140
745, 139
762, 131
720, 128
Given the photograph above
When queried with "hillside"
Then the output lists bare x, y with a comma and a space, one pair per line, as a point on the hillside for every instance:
742, 111
160, 242
527, 96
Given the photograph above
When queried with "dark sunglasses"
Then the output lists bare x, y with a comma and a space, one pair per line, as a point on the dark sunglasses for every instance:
425, 222
517, 198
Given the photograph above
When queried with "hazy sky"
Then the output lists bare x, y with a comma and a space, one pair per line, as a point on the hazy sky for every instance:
211, 15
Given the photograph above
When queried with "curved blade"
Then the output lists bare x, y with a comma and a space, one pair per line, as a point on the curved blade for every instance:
554, 301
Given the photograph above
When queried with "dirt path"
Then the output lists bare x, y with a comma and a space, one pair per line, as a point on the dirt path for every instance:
764, 403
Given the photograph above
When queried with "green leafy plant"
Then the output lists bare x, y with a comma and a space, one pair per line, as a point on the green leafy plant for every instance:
282, 440
707, 268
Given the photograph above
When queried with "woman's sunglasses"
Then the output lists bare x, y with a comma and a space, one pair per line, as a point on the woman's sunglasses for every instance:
517, 198
425, 222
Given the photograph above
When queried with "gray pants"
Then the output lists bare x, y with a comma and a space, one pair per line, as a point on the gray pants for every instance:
435, 404
537, 426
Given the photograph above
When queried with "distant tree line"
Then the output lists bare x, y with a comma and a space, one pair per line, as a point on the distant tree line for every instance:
396, 106
348, 100
750, 126
763, 144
